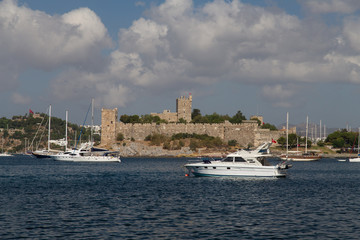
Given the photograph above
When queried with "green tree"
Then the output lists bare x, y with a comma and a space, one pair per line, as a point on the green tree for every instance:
268, 126
195, 113
237, 118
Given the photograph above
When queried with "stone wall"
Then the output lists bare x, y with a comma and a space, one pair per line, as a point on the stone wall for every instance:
245, 133
108, 125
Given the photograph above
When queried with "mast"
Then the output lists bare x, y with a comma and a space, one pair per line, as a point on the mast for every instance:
287, 135
359, 143
66, 138
49, 127
320, 131
92, 122
307, 123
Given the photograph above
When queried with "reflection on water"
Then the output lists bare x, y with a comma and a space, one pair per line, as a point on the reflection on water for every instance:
152, 199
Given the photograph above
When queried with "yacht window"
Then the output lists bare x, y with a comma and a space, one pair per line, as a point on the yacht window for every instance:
205, 167
197, 167
228, 167
214, 167
239, 159
228, 159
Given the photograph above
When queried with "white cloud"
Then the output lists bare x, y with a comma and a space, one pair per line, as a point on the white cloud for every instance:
18, 98
332, 6
179, 47
34, 39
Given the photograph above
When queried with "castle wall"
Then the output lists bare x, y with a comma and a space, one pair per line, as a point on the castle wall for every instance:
245, 133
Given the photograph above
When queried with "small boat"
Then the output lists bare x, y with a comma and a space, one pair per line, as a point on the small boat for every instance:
300, 156
84, 155
6, 155
247, 163
342, 160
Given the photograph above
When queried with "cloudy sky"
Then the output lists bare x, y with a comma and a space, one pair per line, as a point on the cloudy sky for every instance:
257, 56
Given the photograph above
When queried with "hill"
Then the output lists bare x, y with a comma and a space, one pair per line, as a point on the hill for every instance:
30, 132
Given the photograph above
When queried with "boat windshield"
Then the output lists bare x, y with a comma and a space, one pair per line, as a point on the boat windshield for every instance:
239, 159
228, 159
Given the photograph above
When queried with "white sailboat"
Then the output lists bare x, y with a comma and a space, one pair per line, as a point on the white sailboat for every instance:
357, 159
45, 153
300, 156
86, 153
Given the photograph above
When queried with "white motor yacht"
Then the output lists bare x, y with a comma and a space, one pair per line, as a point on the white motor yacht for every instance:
248, 163
84, 155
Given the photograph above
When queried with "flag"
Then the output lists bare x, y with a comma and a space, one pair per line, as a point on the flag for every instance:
30, 112
273, 141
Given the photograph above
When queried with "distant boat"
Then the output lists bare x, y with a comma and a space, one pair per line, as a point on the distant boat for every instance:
6, 155
357, 159
300, 156
87, 155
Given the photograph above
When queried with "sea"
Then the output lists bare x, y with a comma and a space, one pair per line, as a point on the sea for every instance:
151, 198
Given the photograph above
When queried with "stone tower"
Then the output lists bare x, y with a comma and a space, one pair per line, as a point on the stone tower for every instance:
108, 125
184, 108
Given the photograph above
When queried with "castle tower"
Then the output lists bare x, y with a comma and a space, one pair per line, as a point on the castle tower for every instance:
184, 108
108, 126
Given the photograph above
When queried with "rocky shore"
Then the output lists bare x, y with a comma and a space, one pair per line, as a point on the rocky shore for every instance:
139, 149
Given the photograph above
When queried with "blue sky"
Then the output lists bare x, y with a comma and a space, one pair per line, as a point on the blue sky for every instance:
257, 56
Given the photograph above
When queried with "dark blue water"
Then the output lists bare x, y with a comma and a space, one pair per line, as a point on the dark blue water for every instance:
152, 199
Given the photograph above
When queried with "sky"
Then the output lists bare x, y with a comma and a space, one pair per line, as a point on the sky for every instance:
260, 57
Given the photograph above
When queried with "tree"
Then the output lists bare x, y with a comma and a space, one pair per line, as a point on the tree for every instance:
195, 113
268, 126
237, 118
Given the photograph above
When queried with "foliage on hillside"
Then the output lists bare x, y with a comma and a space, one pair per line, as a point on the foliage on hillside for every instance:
343, 139
14, 132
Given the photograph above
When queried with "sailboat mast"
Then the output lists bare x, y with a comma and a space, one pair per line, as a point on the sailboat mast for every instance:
287, 135
92, 123
359, 143
66, 138
49, 127
306, 138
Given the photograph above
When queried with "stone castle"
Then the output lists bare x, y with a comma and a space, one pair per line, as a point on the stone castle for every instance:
246, 133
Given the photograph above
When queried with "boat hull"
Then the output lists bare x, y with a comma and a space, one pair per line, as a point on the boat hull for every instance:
232, 171
301, 158
354, 159
85, 158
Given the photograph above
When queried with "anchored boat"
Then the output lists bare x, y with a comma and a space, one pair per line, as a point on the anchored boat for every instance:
248, 163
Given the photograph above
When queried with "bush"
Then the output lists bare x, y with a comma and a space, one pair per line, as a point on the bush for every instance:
120, 137
232, 143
